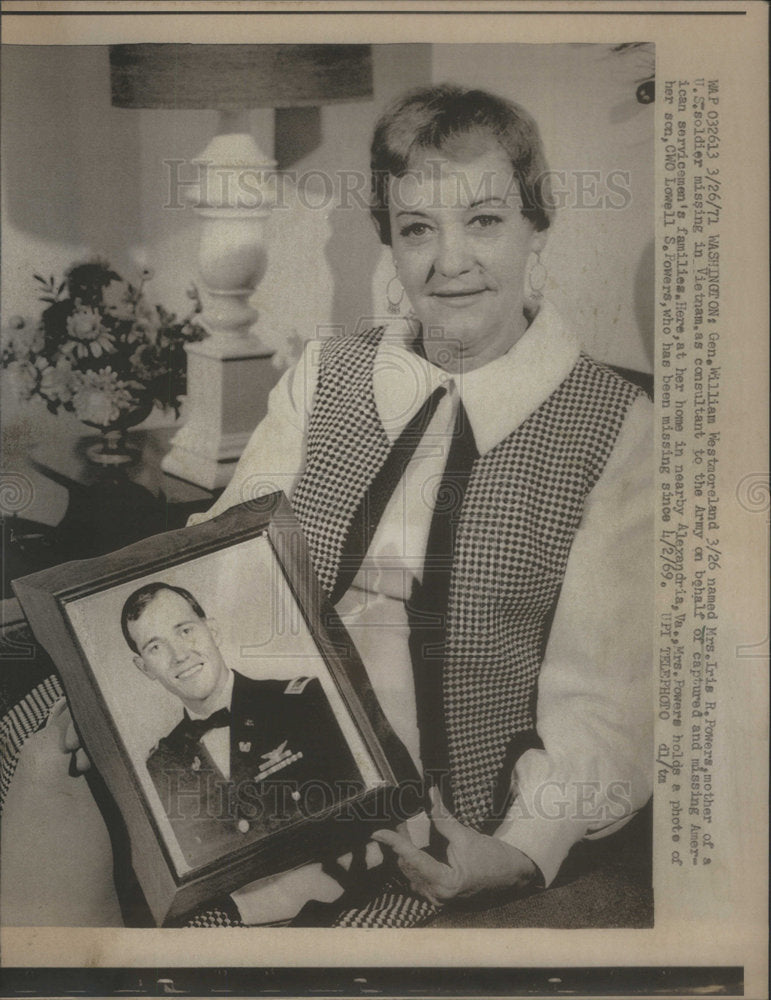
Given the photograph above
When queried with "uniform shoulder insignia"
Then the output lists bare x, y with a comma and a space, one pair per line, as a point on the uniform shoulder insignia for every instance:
298, 685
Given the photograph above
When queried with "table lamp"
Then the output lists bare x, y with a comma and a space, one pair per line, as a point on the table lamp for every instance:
230, 373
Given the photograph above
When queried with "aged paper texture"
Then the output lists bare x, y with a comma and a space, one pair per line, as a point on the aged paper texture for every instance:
701, 292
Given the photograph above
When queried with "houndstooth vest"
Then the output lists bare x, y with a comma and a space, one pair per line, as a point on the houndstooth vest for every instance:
523, 505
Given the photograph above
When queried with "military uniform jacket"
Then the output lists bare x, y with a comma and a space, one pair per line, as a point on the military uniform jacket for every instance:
288, 759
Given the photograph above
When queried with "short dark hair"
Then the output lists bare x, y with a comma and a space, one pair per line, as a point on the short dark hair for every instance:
137, 602
432, 118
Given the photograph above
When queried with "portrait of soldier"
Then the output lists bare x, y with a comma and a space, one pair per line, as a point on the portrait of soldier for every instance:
248, 756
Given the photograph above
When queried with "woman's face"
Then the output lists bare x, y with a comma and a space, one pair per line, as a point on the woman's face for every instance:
461, 248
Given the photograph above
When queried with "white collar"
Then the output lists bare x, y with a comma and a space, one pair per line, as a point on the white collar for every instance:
498, 397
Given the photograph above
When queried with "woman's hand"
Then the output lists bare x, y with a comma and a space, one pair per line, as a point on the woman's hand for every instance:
475, 862
69, 738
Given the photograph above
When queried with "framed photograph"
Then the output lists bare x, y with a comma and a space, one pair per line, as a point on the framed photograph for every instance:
223, 703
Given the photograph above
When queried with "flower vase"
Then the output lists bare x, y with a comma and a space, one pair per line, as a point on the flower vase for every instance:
113, 447
101, 352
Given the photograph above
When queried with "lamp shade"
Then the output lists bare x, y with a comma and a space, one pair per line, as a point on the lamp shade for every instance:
229, 77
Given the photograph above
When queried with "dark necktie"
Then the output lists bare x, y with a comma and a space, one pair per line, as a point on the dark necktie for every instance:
196, 728
427, 607
370, 510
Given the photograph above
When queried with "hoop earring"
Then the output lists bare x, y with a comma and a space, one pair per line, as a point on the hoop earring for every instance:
394, 304
536, 278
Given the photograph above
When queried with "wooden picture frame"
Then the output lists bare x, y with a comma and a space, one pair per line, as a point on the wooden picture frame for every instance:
290, 633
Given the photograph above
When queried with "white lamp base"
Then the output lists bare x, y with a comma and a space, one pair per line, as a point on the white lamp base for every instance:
229, 375
228, 384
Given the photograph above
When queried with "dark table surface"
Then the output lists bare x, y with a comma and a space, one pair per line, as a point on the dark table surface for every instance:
63, 459
109, 506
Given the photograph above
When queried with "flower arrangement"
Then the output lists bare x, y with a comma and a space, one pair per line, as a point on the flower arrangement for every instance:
100, 350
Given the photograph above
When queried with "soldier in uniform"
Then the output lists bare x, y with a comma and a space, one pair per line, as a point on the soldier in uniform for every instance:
248, 756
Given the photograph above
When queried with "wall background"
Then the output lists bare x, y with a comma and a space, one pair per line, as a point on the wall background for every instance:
80, 177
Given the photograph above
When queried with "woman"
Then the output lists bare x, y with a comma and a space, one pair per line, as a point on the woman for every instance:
556, 517
475, 494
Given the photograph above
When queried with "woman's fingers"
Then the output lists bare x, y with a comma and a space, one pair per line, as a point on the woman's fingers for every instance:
399, 843
70, 739
61, 719
413, 861
421, 870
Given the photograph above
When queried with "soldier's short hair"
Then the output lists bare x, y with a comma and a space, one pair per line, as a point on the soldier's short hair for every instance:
136, 603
